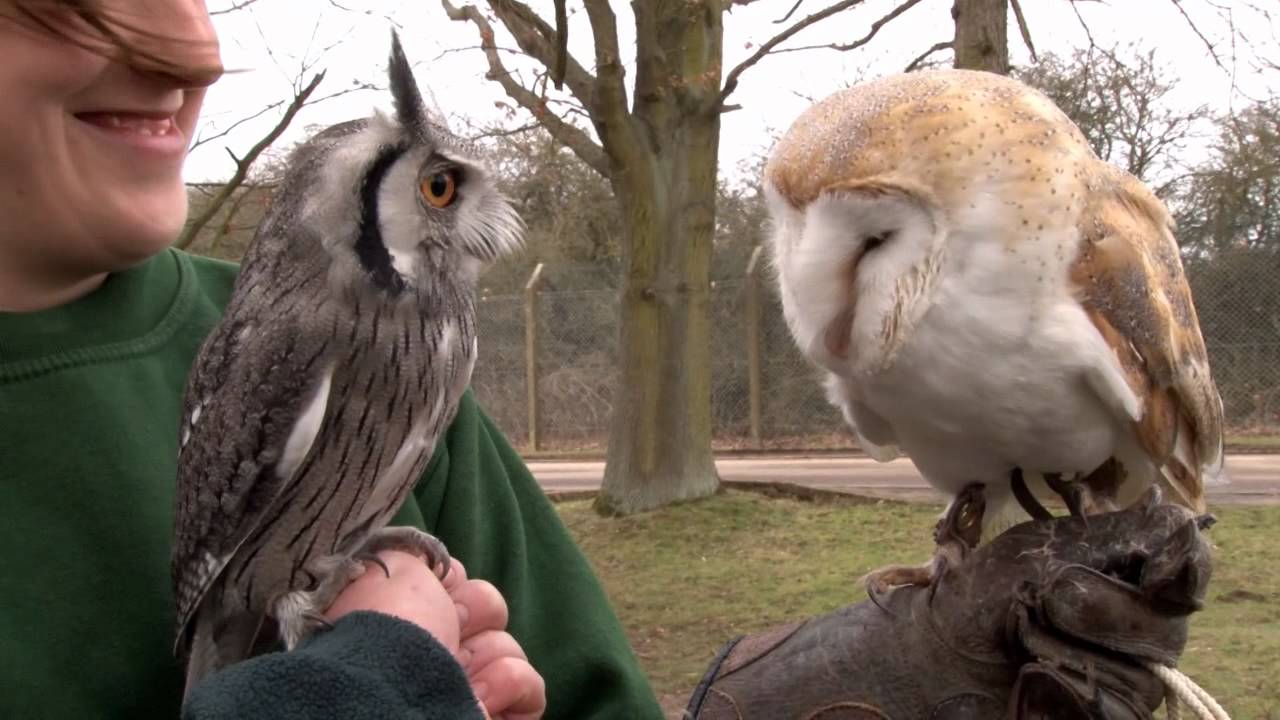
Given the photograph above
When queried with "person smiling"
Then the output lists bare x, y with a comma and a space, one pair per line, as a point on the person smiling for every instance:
99, 323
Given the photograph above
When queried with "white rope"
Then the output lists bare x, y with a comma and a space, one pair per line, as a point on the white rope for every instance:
1182, 690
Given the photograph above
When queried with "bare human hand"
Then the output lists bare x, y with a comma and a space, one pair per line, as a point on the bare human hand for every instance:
469, 617
408, 590
501, 677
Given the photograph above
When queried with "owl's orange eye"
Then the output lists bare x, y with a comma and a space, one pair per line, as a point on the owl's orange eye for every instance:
440, 189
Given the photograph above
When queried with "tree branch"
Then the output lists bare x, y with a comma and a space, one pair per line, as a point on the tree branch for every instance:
1093, 45
570, 135
871, 33
538, 40
225, 229
223, 133
731, 80
469, 48
1194, 28
790, 12
234, 7
495, 132
243, 164
562, 44
937, 47
360, 11
360, 87
1024, 29
610, 97
625, 143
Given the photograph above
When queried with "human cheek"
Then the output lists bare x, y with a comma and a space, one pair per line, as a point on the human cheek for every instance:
189, 114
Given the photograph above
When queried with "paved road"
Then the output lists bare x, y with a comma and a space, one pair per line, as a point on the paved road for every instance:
1254, 478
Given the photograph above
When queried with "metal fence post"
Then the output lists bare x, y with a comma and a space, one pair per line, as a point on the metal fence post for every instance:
751, 303
531, 356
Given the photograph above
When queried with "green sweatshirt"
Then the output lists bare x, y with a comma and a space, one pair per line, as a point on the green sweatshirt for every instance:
368, 667
90, 400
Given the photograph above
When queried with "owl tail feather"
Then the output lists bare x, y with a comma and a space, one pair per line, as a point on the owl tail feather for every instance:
216, 646
1186, 472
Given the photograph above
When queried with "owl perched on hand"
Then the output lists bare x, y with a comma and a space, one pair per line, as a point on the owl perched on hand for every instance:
315, 405
987, 295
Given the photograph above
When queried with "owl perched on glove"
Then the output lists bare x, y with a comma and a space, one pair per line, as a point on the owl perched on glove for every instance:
988, 296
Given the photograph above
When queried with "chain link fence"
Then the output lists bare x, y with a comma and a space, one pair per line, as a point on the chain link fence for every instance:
1237, 298
575, 359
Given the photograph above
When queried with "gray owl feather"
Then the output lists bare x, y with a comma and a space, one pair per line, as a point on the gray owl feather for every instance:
316, 404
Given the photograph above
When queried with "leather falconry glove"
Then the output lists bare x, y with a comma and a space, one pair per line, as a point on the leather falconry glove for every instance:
1052, 619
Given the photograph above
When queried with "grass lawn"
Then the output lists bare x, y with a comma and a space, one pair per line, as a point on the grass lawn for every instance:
1254, 443
686, 579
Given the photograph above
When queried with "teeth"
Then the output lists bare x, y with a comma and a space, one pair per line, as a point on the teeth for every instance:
138, 124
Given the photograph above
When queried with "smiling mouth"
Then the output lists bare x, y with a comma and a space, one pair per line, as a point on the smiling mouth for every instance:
145, 124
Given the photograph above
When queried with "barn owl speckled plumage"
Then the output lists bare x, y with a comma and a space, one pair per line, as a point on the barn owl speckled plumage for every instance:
987, 295
316, 404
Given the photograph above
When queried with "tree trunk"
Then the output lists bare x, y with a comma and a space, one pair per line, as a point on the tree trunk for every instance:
982, 35
660, 436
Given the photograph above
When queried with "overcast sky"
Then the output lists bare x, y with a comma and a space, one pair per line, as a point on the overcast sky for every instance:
271, 39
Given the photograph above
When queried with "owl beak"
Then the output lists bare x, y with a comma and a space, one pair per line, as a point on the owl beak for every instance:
839, 333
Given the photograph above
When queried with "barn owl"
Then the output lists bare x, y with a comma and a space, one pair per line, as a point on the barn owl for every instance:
985, 294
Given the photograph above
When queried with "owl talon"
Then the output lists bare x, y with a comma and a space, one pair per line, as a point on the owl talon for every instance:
962, 521
880, 582
1023, 495
957, 531
876, 593
413, 541
1072, 494
365, 557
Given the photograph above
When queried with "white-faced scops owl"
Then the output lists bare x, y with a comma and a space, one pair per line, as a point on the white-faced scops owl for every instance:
315, 405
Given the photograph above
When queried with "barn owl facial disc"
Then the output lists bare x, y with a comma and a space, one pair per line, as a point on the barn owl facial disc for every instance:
987, 295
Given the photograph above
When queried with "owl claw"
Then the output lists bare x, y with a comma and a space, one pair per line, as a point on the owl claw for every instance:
957, 532
413, 541
1072, 494
880, 582
962, 521
1023, 495
365, 557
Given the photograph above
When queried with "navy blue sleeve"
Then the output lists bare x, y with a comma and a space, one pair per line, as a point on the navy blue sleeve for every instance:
369, 665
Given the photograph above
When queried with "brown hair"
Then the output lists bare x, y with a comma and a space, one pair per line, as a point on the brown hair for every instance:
116, 35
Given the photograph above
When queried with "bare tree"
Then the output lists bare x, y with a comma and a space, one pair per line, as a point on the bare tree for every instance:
658, 150
1120, 100
1232, 200
571, 221
219, 201
224, 202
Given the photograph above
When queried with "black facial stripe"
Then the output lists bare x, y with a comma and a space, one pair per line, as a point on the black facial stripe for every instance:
370, 249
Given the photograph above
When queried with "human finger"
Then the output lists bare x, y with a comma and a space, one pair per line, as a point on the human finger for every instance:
509, 688
480, 607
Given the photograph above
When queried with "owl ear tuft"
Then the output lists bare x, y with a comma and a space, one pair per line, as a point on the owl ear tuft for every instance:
410, 110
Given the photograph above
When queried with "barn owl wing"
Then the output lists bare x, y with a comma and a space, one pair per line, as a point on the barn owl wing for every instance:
1132, 286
